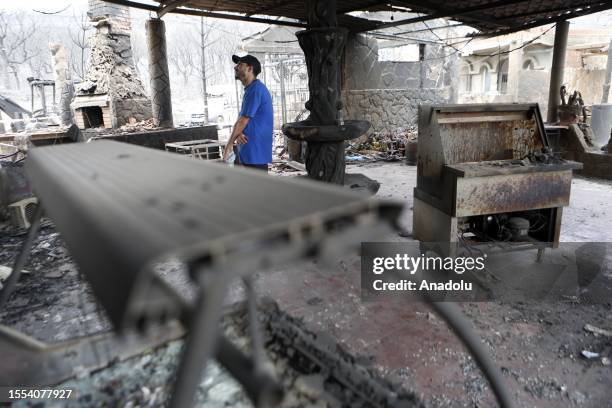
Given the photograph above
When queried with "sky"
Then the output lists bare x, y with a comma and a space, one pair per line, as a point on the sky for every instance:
41, 5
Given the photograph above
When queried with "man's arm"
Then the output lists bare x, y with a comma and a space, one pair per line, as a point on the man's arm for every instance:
237, 135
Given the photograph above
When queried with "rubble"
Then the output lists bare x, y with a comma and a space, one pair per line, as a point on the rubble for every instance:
384, 146
589, 354
526, 342
5, 272
544, 156
138, 126
38, 300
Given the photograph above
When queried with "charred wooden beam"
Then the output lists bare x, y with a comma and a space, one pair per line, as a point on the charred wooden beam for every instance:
203, 13
445, 12
168, 6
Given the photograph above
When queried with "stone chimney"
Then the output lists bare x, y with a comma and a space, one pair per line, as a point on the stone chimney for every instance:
111, 92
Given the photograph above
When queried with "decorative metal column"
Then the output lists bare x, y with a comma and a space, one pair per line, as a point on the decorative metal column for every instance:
324, 131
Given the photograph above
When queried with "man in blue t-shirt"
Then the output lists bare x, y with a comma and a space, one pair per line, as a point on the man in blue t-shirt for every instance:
253, 129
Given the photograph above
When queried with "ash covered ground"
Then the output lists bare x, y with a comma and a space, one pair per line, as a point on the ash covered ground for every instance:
538, 345
61, 307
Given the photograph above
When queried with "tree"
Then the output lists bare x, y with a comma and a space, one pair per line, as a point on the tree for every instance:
183, 59
79, 35
190, 56
16, 31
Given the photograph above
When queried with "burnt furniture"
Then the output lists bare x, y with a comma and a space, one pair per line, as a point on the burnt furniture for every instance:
485, 173
123, 209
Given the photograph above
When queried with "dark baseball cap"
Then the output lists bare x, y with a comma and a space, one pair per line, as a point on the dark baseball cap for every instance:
249, 60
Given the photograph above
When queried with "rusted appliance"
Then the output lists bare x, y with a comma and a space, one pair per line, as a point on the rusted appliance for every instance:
486, 173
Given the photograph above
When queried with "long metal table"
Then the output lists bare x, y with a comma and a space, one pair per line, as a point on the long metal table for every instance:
122, 209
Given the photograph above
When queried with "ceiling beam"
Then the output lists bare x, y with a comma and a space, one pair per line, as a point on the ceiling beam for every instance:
511, 18
471, 12
439, 13
428, 29
202, 13
168, 6
599, 6
264, 9
354, 8
413, 40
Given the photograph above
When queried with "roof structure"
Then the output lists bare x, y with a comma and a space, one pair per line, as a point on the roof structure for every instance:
490, 17
578, 38
276, 40
12, 109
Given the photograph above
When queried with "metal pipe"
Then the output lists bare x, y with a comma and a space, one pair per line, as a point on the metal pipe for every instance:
557, 69
22, 257
452, 315
421, 66
282, 86
606, 86
201, 341
261, 387
257, 349
203, 69
43, 98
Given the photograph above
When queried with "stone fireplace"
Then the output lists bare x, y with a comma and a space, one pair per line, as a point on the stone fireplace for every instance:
111, 94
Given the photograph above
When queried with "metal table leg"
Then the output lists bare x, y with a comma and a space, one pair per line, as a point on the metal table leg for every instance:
201, 339
202, 320
22, 257
257, 347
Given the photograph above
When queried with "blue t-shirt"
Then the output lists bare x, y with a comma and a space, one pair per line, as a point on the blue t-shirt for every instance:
257, 106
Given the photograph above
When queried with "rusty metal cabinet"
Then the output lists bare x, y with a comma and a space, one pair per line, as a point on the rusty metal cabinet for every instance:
480, 166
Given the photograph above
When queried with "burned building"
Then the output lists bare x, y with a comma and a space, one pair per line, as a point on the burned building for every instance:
112, 91
178, 251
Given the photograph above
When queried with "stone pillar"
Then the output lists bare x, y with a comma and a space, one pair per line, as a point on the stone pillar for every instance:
63, 82
515, 67
557, 70
158, 72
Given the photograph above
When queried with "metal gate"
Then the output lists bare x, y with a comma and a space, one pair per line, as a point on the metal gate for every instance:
287, 80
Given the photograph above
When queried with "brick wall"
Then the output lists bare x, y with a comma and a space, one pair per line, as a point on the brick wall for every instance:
80, 120
118, 15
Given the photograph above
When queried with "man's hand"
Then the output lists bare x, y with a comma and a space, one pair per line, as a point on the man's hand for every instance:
229, 149
242, 139
237, 136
